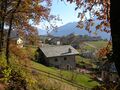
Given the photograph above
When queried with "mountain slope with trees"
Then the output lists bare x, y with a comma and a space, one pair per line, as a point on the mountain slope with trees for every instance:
71, 28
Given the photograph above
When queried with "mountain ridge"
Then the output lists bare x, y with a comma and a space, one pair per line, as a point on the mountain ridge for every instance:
70, 28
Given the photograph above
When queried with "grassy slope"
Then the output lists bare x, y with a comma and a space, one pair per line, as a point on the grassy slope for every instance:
81, 79
38, 80
99, 44
80, 59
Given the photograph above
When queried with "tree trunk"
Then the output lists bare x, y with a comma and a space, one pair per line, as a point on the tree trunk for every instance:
2, 18
9, 32
1, 34
115, 32
2, 23
8, 39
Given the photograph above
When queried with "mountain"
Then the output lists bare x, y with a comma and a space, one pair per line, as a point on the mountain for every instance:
42, 32
71, 28
68, 29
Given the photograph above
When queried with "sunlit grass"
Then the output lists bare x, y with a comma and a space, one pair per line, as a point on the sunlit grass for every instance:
99, 43
81, 79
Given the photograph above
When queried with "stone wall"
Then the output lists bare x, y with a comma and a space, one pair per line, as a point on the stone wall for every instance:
64, 62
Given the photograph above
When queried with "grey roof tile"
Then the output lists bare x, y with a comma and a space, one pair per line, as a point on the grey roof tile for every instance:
61, 50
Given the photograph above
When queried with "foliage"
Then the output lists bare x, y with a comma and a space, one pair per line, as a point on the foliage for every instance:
16, 76
2, 60
23, 77
103, 52
110, 86
6, 72
17, 81
96, 8
19, 16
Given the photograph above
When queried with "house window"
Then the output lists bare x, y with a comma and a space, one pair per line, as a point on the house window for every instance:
56, 59
65, 58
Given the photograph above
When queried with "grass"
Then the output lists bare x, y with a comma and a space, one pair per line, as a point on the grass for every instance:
35, 81
80, 59
43, 68
99, 44
81, 79
86, 81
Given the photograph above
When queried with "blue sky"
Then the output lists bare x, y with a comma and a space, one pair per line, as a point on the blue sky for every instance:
66, 12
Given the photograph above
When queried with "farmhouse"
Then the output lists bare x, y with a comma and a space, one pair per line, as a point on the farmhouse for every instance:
17, 41
14, 38
62, 57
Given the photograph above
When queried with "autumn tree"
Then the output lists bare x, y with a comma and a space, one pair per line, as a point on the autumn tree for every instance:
107, 11
19, 15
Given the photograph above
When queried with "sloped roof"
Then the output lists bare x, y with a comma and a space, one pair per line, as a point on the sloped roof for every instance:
61, 50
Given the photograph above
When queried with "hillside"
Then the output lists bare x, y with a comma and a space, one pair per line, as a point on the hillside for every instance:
92, 45
71, 28
98, 44
80, 79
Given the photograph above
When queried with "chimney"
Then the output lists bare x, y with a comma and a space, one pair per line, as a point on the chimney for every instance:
69, 50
